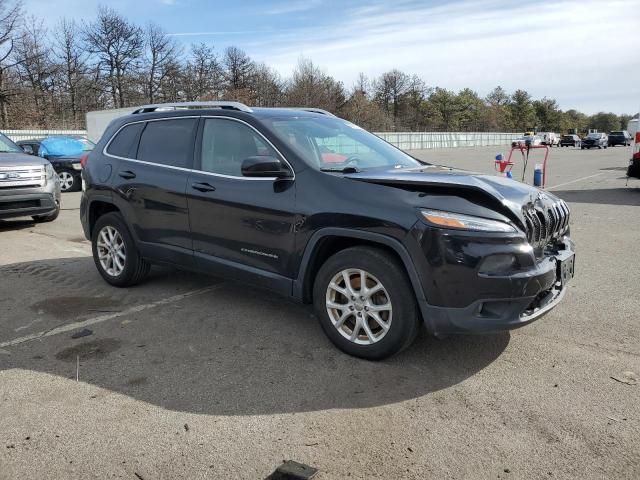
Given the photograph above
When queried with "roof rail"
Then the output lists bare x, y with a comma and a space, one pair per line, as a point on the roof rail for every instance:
313, 110
193, 105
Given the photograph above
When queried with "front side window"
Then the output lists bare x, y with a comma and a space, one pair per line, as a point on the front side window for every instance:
332, 143
168, 142
125, 143
227, 143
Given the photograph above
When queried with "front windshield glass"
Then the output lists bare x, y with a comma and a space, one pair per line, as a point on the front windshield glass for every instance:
594, 135
7, 145
332, 143
88, 144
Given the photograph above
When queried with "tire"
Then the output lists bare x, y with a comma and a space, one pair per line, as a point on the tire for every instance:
126, 271
382, 269
49, 217
69, 181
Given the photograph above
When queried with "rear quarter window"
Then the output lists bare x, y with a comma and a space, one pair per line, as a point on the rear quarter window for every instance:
125, 143
168, 142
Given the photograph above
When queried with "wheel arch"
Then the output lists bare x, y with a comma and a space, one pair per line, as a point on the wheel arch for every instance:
98, 208
328, 241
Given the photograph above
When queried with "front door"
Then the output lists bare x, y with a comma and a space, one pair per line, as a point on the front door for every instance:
239, 223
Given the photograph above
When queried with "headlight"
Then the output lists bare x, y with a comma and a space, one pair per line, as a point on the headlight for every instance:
465, 222
48, 168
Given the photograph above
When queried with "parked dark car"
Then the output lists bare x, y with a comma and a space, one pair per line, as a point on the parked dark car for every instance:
570, 141
377, 240
28, 185
621, 137
67, 166
594, 140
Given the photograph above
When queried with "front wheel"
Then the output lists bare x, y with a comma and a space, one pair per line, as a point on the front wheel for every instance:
365, 303
115, 253
69, 181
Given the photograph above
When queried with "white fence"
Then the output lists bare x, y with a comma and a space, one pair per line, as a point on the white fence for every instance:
426, 140
16, 135
403, 140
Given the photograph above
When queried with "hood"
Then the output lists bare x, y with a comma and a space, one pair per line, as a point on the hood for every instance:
511, 195
10, 159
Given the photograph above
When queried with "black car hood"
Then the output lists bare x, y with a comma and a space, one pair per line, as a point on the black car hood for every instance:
510, 194
8, 159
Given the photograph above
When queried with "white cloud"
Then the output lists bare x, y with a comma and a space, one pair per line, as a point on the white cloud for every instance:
293, 7
580, 52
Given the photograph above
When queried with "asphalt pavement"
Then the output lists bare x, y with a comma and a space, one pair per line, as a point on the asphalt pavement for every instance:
189, 376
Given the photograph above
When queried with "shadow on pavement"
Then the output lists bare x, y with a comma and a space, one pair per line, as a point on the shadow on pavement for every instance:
232, 351
6, 225
605, 196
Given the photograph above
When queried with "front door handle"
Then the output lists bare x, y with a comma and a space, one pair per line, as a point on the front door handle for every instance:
127, 174
203, 187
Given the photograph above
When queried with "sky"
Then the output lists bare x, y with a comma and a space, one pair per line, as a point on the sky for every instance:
585, 54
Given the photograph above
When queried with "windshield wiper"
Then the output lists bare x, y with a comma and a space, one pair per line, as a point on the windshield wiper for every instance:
341, 170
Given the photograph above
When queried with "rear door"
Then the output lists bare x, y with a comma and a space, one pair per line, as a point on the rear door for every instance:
151, 180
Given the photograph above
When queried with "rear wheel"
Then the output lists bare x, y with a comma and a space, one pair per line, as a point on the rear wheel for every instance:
115, 253
365, 303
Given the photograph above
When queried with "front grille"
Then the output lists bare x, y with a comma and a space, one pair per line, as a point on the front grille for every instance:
545, 223
22, 177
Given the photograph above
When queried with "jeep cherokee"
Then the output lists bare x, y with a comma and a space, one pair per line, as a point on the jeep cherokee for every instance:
315, 208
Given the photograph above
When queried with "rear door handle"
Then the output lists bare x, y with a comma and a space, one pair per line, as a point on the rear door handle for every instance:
128, 174
203, 187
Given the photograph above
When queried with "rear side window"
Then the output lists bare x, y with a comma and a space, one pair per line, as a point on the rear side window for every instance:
168, 142
125, 143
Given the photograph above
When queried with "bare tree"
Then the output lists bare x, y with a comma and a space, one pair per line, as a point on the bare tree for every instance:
10, 18
312, 87
72, 60
161, 52
267, 86
202, 74
239, 69
117, 45
389, 89
33, 60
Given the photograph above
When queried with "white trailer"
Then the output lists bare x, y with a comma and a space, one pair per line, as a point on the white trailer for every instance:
98, 121
632, 127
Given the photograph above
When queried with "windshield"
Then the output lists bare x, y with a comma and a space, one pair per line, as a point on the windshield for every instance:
593, 135
88, 144
332, 143
6, 145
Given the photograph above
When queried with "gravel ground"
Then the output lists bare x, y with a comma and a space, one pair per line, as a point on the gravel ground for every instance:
188, 376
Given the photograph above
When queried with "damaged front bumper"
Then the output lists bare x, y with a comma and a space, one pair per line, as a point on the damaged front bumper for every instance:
544, 285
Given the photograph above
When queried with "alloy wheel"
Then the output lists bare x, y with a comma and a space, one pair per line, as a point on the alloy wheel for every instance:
111, 251
66, 181
359, 306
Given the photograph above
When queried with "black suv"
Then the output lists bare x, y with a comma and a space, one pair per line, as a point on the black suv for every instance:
621, 137
315, 208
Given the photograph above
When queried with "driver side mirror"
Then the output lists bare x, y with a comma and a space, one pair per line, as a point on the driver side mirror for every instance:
261, 166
